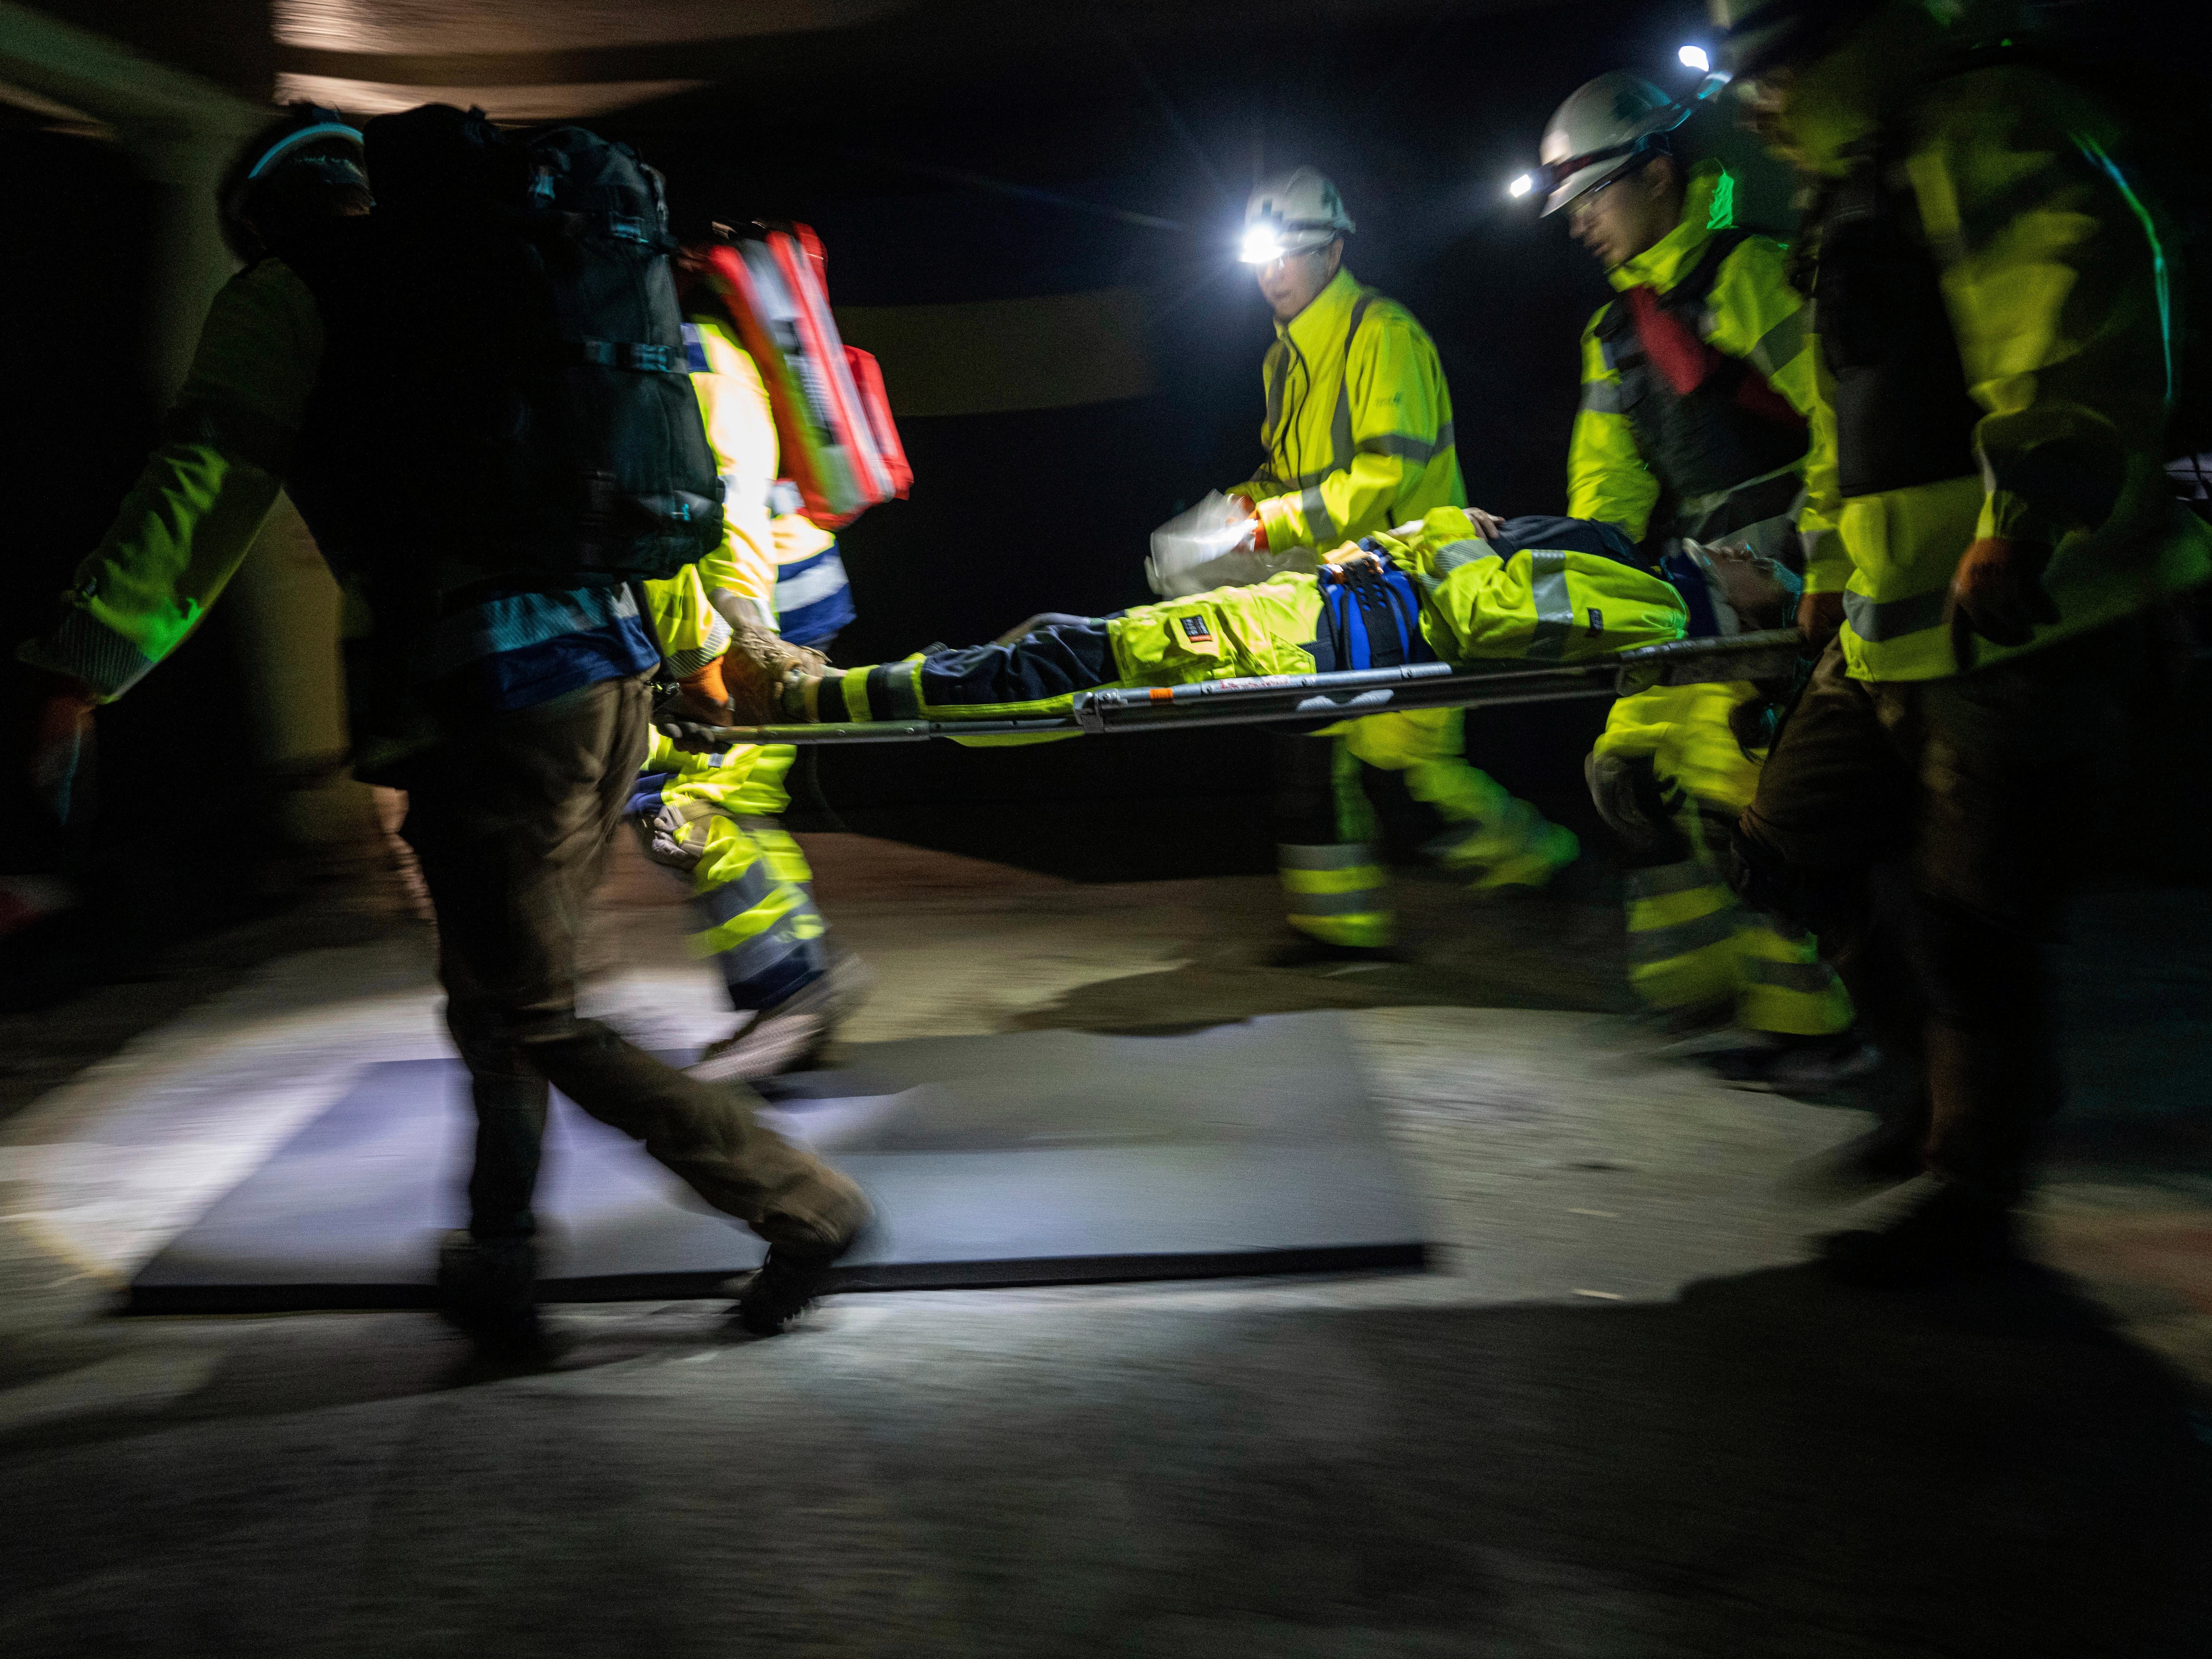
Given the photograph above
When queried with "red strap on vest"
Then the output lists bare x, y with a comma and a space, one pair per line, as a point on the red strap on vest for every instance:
1672, 344
1677, 353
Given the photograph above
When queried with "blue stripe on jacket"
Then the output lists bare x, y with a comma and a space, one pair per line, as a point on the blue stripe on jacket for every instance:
519, 650
813, 597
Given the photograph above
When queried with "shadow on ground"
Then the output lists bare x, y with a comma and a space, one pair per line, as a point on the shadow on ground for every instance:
1768, 1466
1458, 950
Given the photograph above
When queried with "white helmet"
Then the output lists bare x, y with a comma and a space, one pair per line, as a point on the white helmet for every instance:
1606, 127
1293, 214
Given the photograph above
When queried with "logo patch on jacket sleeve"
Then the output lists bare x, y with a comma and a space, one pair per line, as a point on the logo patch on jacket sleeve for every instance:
1196, 634
1597, 620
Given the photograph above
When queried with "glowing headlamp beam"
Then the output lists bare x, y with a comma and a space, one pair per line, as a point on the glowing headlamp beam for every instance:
1694, 58
1522, 186
1261, 246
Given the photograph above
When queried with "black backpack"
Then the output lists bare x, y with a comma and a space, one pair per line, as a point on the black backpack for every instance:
504, 402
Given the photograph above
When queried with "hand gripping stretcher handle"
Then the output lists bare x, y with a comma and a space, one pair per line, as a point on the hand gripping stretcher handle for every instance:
1325, 696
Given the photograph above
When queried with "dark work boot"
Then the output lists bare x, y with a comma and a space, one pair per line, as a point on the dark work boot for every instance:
788, 1283
793, 1035
1955, 1233
488, 1288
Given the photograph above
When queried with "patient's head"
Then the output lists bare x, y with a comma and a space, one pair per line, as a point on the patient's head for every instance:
1762, 591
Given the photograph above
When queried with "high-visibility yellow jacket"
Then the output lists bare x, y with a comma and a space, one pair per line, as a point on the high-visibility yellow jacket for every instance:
2056, 296
1537, 606
1753, 312
1358, 430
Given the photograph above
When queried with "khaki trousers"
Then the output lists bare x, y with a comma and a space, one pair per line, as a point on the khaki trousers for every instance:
511, 818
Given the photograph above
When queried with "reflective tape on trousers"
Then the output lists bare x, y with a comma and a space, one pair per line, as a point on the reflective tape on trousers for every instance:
1659, 944
1812, 978
1363, 901
1657, 880
1325, 855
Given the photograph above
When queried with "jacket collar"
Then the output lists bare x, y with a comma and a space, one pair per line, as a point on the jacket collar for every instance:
1320, 324
1670, 258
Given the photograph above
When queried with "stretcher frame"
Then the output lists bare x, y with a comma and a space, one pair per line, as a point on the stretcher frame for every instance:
1321, 697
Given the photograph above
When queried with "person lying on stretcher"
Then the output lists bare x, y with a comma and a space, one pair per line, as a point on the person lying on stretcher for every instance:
1542, 590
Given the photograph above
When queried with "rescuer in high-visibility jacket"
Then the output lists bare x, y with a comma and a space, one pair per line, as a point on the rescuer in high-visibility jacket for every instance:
1999, 350
1358, 438
1694, 432
714, 819
1532, 589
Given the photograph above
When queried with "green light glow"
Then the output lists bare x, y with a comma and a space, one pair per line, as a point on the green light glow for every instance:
1723, 214
2090, 147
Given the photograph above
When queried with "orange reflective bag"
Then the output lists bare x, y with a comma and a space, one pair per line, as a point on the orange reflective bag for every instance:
833, 421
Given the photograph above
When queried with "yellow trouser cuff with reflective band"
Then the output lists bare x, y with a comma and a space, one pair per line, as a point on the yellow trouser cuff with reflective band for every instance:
1680, 920
1786, 988
1704, 978
853, 683
782, 902
1691, 944
1338, 894
1682, 937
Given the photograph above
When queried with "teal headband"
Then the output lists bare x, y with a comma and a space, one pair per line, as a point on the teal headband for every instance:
292, 140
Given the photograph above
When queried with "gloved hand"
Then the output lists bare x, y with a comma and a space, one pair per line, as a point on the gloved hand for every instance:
702, 696
1250, 509
62, 746
1998, 594
1821, 618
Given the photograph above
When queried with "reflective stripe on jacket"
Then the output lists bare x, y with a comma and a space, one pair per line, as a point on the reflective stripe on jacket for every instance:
1752, 313
1359, 429
2055, 298
813, 594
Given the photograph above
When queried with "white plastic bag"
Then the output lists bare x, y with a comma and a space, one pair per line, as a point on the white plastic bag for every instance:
1211, 546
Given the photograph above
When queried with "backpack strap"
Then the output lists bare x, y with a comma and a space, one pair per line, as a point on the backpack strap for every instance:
638, 358
1371, 616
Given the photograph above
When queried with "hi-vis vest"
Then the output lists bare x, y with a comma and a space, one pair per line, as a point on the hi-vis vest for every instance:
813, 594
1733, 450
1722, 444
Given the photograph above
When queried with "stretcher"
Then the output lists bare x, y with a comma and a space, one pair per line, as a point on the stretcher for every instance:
1321, 697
